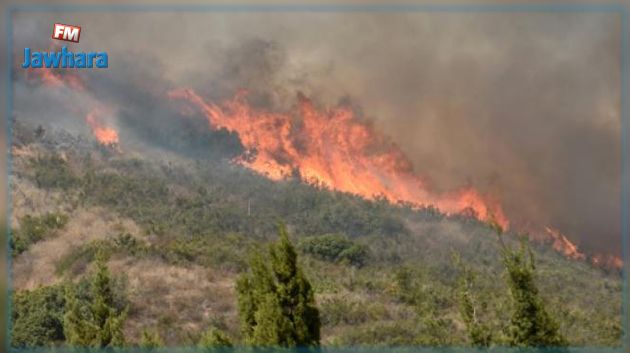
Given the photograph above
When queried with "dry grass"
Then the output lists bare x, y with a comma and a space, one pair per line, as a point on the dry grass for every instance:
27, 199
176, 300
36, 266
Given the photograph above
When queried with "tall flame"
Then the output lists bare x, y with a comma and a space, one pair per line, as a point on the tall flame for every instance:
330, 147
334, 149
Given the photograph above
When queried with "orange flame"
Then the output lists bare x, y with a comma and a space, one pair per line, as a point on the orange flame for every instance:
105, 135
334, 149
607, 261
561, 244
54, 79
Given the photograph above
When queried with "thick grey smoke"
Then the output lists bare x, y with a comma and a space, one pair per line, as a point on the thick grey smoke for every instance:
524, 106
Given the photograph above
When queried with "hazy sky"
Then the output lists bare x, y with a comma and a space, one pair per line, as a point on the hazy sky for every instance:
521, 105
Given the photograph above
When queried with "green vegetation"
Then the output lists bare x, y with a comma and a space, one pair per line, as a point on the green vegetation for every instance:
335, 248
151, 339
380, 274
87, 313
479, 334
38, 317
530, 325
52, 171
33, 229
97, 322
214, 338
276, 302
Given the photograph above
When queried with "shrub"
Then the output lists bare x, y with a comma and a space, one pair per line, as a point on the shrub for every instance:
151, 339
33, 229
38, 317
52, 172
214, 338
335, 248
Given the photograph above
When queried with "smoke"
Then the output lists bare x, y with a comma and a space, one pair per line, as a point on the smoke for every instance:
522, 106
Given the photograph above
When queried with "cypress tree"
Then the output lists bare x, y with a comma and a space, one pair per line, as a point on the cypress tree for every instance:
276, 302
77, 327
98, 323
530, 324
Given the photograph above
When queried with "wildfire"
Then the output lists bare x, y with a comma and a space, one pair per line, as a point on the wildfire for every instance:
335, 149
51, 78
561, 244
609, 261
329, 147
105, 135
564, 246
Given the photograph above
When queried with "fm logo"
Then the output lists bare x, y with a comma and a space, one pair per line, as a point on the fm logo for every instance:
67, 33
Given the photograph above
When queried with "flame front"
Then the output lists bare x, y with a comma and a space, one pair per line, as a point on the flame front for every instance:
564, 246
334, 149
561, 244
607, 261
330, 147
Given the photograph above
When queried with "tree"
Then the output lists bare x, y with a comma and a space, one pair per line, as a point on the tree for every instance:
94, 321
479, 334
276, 302
530, 325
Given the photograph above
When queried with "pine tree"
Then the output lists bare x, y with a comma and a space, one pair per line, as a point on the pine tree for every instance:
77, 327
530, 325
98, 323
276, 302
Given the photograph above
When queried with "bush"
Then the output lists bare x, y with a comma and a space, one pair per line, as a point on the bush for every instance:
214, 338
52, 172
382, 334
151, 339
38, 317
335, 248
81, 256
33, 229
345, 311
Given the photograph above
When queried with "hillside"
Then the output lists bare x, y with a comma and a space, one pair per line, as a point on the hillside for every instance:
179, 229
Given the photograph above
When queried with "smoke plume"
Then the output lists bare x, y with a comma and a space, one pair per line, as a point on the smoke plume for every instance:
520, 106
